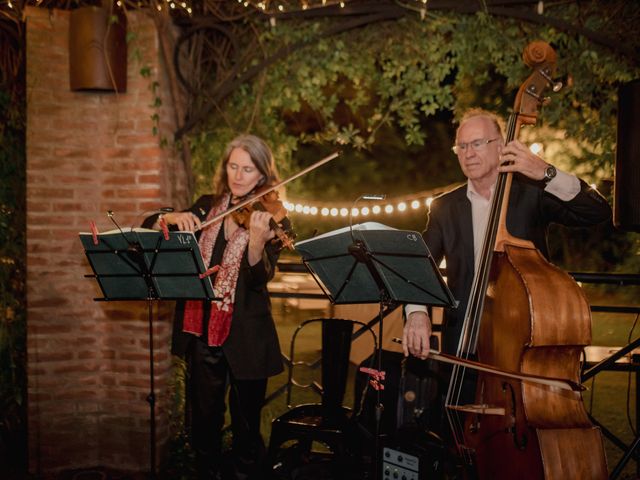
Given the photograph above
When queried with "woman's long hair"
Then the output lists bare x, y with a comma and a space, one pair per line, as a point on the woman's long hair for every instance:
261, 156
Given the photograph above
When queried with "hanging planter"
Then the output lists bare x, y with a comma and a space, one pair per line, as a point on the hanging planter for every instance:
97, 50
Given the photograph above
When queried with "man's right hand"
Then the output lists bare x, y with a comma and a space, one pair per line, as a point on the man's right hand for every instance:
416, 335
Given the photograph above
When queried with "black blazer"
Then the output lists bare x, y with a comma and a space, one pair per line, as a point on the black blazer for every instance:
252, 349
449, 233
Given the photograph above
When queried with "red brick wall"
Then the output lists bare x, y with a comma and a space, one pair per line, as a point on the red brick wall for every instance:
88, 362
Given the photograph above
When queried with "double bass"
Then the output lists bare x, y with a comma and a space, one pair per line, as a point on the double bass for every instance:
524, 315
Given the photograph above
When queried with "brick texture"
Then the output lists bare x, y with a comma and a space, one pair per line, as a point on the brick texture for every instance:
87, 152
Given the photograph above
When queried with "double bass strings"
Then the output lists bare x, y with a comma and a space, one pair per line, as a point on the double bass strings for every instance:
468, 342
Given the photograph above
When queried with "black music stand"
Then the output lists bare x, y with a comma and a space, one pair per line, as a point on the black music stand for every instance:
372, 263
141, 264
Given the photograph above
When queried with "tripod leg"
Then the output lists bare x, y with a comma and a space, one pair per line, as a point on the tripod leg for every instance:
625, 458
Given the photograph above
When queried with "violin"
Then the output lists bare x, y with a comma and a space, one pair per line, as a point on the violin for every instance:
265, 199
269, 202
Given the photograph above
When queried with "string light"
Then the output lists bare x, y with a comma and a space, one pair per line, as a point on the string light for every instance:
536, 148
398, 205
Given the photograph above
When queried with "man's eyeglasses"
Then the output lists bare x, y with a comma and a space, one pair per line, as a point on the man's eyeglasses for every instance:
476, 145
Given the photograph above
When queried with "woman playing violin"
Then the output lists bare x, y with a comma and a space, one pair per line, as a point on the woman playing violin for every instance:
232, 342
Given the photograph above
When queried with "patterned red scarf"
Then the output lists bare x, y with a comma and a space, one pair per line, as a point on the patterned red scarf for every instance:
224, 286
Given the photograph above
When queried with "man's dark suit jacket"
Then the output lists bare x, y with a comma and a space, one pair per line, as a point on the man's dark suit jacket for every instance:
531, 210
252, 348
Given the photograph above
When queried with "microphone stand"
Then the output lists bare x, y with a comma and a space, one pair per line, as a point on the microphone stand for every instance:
360, 253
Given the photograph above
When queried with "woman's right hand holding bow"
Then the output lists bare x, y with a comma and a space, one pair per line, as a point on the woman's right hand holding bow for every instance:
185, 221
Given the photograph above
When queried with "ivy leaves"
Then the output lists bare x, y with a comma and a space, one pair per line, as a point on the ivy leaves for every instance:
342, 89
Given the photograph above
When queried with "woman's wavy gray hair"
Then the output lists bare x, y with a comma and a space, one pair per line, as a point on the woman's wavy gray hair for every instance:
260, 154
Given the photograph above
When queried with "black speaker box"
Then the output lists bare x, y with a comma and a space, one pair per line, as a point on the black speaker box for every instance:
411, 397
626, 205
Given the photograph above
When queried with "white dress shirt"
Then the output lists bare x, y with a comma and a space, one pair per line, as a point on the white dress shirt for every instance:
564, 185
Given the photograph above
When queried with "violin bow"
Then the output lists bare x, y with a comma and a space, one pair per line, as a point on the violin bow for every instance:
254, 197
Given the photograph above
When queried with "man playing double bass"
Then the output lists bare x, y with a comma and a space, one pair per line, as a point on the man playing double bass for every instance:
540, 195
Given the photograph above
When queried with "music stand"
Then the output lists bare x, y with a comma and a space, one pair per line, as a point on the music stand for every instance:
373, 263
141, 264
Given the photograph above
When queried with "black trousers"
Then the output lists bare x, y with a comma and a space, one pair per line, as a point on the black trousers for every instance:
209, 378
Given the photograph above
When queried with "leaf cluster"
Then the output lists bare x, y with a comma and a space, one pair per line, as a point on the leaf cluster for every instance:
396, 85
12, 277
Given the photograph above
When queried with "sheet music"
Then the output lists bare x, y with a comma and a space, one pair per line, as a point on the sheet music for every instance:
358, 226
125, 230
124, 261
400, 257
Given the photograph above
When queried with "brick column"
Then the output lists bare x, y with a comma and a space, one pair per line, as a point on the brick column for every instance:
88, 361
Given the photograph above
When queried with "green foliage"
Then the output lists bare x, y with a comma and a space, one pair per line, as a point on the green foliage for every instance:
12, 282
385, 95
180, 461
404, 74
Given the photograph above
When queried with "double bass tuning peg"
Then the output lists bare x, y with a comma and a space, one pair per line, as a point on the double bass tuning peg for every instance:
556, 86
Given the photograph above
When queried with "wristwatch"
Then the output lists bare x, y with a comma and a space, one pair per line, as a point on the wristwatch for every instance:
549, 174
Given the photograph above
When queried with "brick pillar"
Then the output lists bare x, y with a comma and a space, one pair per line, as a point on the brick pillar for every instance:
88, 361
